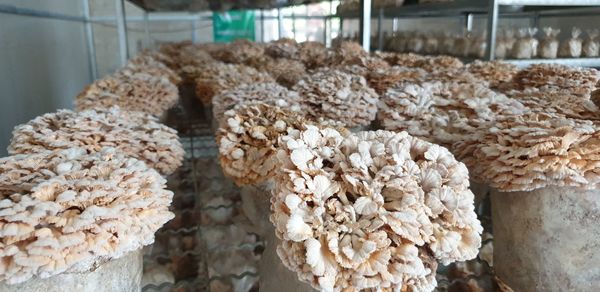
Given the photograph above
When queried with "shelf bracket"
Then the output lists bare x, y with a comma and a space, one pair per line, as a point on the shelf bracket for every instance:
122, 31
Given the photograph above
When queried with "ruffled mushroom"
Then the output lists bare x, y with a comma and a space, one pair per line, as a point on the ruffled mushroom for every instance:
383, 79
138, 92
444, 113
148, 65
375, 210
267, 93
238, 51
248, 140
555, 78
496, 73
312, 54
132, 133
219, 77
286, 72
339, 96
282, 48
532, 151
69, 211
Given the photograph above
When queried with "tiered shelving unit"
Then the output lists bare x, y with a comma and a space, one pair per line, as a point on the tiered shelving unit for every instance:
493, 9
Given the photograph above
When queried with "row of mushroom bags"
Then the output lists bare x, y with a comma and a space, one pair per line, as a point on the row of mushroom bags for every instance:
366, 162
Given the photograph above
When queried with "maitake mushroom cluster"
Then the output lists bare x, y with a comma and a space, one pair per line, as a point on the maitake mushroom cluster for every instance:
219, 77
267, 93
69, 211
132, 133
339, 96
495, 72
137, 92
248, 140
149, 65
535, 150
374, 210
443, 113
542, 78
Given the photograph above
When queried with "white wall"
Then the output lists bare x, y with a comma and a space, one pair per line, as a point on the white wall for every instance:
43, 63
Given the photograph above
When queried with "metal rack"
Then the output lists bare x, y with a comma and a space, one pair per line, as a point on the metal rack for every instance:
492, 9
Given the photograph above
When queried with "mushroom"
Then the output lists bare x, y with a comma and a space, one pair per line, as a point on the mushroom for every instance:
339, 96
132, 133
443, 113
69, 211
555, 78
238, 51
495, 72
248, 140
373, 210
312, 54
148, 65
269, 93
285, 71
137, 92
544, 171
219, 77
282, 48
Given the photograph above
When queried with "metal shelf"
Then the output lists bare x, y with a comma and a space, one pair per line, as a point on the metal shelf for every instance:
550, 2
214, 5
575, 62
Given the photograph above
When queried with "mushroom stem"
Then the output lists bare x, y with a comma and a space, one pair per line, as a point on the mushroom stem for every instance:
122, 274
547, 239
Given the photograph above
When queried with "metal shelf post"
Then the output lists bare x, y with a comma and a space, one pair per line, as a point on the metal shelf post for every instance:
492, 27
122, 31
365, 24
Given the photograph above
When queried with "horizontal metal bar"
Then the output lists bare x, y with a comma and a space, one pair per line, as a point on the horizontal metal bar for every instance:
576, 62
158, 17
11, 9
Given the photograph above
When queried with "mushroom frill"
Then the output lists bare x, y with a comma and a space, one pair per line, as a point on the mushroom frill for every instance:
69, 211
373, 210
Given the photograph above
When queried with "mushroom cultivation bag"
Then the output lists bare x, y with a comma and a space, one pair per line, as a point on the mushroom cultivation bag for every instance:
591, 45
571, 48
549, 45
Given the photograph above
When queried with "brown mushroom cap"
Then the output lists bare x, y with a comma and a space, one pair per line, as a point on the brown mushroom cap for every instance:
219, 77
248, 140
536, 150
69, 211
138, 92
336, 95
497, 73
132, 133
148, 65
372, 210
555, 78
268, 93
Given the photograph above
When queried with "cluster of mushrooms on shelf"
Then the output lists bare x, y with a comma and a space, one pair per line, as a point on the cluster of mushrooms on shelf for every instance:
361, 172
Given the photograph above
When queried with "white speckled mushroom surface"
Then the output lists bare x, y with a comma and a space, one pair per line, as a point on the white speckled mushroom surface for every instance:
371, 210
68, 211
133, 133
137, 92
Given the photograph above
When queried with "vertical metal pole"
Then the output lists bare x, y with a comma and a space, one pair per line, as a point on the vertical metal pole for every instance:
280, 22
122, 31
395, 24
147, 29
262, 25
293, 23
469, 22
325, 31
89, 36
194, 26
535, 20
341, 28
492, 25
380, 30
365, 24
